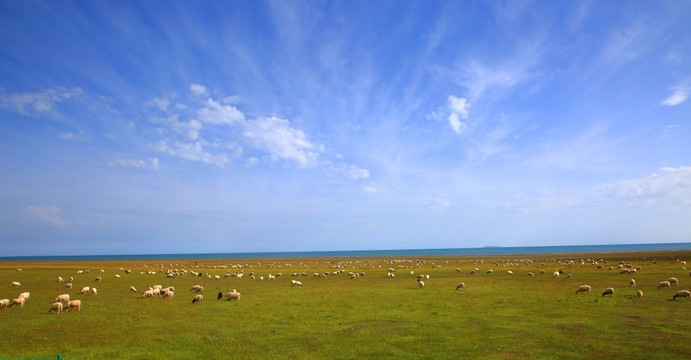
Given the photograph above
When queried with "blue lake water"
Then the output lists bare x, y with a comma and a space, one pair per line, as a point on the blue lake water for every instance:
522, 250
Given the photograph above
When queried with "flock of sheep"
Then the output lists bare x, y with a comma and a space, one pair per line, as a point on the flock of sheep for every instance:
64, 302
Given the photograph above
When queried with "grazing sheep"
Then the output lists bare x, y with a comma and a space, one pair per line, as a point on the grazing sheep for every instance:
97, 279
568, 276
94, 291
75, 304
85, 289
148, 293
233, 295
169, 294
556, 274
133, 289
510, 272
682, 294
609, 291
583, 288
640, 294
118, 276
197, 298
220, 295
673, 281
421, 284
490, 271
197, 288
16, 284
460, 285
632, 283
63, 297
57, 306
18, 301
663, 284
68, 286
60, 279
531, 274
4, 303
25, 295
295, 283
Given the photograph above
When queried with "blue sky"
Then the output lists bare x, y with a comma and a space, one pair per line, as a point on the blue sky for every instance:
235, 126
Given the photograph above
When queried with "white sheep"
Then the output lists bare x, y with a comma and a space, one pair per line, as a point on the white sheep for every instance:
133, 289
85, 289
18, 301
169, 294
421, 283
197, 288
640, 294
460, 285
148, 293
609, 291
510, 272
25, 295
295, 283
4, 303
16, 284
531, 274
57, 307
197, 298
632, 283
75, 304
583, 288
118, 276
97, 279
94, 291
673, 281
682, 294
663, 284
60, 279
63, 297
233, 295
556, 274
68, 286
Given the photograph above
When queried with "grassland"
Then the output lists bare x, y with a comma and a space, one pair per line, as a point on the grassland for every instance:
496, 316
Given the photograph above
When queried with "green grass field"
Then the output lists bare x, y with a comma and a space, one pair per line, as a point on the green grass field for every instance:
496, 316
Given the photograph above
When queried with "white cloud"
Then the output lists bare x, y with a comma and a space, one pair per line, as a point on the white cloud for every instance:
215, 113
251, 162
151, 163
199, 90
457, 126
351, 171
161, 103
70, 136
371, 189
679, 94
438, 204
46, 214
40, 101
276, 136
459, 110
671, 183
191, 151
459, 106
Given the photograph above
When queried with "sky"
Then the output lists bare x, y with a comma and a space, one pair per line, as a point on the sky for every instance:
147, 127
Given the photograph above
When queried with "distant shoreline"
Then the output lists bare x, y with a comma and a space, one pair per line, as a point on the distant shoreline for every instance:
483, 251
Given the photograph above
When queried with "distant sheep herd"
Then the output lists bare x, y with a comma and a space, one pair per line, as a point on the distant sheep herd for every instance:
64, 302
